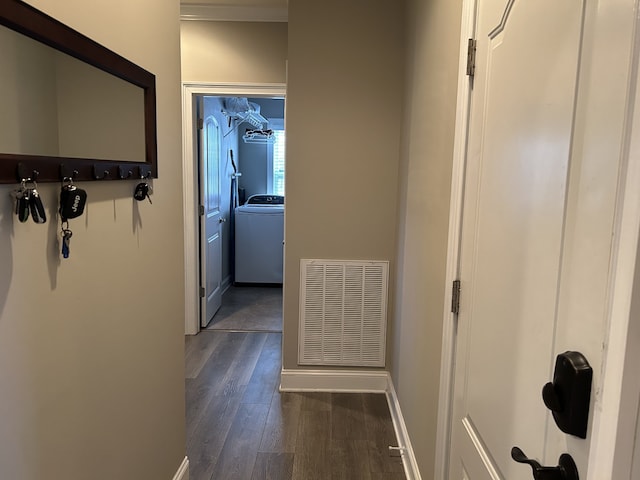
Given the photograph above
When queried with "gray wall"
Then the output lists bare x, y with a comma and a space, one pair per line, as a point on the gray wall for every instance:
253, 52
433, 28
92, 347
344, 113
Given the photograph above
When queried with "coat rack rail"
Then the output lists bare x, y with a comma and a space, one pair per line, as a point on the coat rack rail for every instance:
31, 171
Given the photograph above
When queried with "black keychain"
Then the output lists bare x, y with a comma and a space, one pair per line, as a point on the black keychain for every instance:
66, 240
143, 190
22, 202
72, 203
36, 207
28, 201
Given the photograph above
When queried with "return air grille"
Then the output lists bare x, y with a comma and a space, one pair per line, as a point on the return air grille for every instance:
343, 312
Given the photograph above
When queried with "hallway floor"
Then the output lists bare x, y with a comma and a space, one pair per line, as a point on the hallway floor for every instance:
249, 308
240, 427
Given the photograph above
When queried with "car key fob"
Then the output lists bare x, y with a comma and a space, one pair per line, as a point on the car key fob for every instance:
142, 191
36, 207
72, 202
22, 206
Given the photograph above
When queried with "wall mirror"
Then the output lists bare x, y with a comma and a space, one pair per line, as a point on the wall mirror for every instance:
70, 107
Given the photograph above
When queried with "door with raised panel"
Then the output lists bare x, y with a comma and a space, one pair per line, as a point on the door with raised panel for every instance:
519, 161
210, 220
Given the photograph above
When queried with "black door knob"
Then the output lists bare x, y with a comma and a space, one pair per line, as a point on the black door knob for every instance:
566, 469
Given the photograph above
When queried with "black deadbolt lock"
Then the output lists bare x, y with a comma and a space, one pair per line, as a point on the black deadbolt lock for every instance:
569, 395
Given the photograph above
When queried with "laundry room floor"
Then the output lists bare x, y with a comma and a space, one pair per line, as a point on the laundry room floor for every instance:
249, 309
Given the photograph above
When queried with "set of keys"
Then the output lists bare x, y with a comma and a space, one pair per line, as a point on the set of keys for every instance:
143, 190
28, 201
72, 202
66, 239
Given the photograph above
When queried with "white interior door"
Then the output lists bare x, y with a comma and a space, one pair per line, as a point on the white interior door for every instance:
211, 221
518, 203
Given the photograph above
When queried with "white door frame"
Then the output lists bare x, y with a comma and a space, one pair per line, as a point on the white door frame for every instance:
190, 199
447, 367
616, 408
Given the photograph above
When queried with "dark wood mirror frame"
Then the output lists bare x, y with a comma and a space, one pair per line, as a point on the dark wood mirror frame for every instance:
25, 19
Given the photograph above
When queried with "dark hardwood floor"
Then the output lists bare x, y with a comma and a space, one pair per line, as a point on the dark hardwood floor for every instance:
240, 427
249, 308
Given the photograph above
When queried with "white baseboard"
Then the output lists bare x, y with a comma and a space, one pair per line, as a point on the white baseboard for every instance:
183, 470
356, 382
333, 381
408, 457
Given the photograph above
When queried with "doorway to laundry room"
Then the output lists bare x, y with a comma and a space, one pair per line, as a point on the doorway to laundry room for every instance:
241, 167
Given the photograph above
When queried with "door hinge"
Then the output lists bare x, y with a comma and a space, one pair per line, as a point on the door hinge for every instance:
471, 57
202, 292
455, 297
200, 210
200, 124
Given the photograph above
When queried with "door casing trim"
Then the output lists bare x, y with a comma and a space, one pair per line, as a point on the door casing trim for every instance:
190, 183
445, 403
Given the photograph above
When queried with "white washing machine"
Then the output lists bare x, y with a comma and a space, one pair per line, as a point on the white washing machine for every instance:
259, 240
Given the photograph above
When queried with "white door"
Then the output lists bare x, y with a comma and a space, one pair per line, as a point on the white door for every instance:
210, 221
536, 236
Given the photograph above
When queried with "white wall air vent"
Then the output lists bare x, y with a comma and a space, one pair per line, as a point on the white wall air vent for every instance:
343, 312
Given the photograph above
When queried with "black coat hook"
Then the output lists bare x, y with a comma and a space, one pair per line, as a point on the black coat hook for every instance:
67, 173
100, 172
25, 174
144, 172
124, 172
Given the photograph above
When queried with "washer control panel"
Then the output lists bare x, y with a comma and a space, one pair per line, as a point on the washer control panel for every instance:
266, 200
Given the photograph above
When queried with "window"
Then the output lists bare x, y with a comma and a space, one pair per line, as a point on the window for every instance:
278, 163
276, 158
